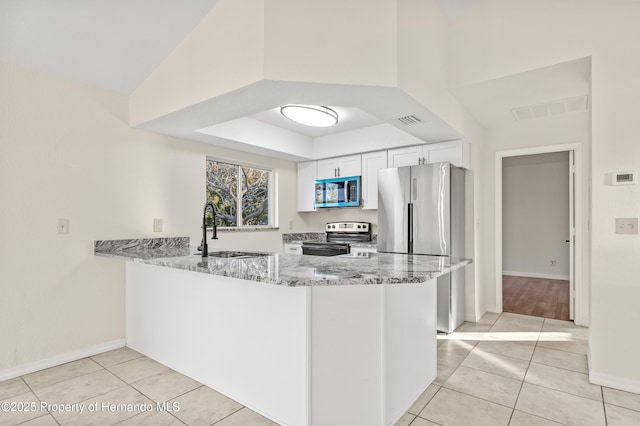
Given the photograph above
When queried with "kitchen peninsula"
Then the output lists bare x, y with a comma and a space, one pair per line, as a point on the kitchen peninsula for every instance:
303, 340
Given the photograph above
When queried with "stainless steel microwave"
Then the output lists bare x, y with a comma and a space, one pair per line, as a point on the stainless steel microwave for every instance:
338, 192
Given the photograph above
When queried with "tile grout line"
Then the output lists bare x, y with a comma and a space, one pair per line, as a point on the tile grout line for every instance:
604, 407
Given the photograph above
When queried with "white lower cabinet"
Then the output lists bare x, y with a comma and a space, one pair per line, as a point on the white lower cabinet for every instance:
362, 251
292, 248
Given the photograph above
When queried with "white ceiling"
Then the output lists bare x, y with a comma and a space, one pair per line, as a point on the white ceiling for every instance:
112, 44
491, 102
116, 44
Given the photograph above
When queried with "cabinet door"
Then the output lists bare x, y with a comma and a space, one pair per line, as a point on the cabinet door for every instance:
306, 186
409, 156
290, 248
455, 152
327, 168
371, 163
443, 152
350, 165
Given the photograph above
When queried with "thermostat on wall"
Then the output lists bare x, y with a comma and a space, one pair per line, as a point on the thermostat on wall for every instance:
624, 178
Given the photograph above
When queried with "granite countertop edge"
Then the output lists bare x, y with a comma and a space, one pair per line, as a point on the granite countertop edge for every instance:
291, 270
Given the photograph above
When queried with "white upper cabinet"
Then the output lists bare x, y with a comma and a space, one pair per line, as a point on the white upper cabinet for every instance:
306, 186
407, 156
455, 152
371, 163
349, 165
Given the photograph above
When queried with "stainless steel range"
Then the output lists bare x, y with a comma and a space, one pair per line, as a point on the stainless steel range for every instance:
339, 235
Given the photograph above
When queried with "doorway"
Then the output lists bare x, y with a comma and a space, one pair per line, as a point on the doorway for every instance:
535, 235
537, 265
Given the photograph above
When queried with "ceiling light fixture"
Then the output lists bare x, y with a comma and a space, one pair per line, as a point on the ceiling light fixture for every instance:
310, 115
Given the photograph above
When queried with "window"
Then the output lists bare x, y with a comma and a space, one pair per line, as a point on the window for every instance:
241, 194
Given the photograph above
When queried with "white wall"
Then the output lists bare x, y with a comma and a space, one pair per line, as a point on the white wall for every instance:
499, 38
67, 151
560, 130
535, 215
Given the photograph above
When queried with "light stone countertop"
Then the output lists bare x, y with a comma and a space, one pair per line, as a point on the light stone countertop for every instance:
289, 269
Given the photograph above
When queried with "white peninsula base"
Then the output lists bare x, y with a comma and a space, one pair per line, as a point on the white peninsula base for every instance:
310, 355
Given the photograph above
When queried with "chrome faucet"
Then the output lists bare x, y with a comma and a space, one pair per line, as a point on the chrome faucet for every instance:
205, 248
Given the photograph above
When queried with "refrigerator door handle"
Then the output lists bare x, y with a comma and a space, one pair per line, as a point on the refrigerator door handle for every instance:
410, 227
414, 189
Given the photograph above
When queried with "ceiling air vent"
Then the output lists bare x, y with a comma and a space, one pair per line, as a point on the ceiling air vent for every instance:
552, 108
409, 120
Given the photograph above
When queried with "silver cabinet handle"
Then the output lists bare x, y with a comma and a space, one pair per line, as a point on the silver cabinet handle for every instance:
335, 172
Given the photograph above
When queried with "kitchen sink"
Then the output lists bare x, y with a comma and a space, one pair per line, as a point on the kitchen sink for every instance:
234, 254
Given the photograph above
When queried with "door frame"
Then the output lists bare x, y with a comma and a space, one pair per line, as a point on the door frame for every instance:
580, 293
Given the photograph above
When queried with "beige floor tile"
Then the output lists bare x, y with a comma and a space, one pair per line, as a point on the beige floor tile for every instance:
446, 408
505, 366
405, 420
520, 418
487, 386
152, 418
419, 421
423, 399
137, 369
107, 409
12, 387
519, 350
116, 356
46, 420
165, 385
565, 329
563, 380
618, 416
444, 373
489, 318
79, 388
467, 327
60, 373
513, 322
621, 398
245, 417
560, 359
457, 347
553, 341
20, 408
449, 359
204, 406
560, 406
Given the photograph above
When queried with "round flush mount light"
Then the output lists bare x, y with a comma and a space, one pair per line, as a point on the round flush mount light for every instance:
310, 115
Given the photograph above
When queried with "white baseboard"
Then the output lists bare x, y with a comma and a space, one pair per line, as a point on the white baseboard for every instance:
21, 370
616, 382
536, 275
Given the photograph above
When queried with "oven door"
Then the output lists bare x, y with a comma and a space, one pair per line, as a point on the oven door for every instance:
316, 249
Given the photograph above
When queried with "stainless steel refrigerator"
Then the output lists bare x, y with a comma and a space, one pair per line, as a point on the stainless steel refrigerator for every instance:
421, 211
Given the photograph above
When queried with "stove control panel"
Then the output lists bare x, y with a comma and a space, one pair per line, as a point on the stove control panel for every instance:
348, 227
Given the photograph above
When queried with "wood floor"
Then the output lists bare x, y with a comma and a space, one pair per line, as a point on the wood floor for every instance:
536, 297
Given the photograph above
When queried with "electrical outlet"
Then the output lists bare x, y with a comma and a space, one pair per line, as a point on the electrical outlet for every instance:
157, 225
63, 226
552, 262
291, 224
626, 225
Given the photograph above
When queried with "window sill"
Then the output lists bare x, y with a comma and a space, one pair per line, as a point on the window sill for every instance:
244, 228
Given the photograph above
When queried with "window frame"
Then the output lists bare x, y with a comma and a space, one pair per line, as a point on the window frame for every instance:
271, 201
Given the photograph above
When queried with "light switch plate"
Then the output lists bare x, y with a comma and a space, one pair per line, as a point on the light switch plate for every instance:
157, 225
626, 225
